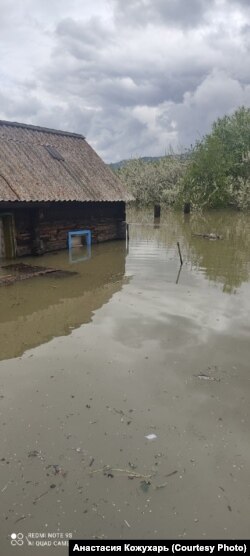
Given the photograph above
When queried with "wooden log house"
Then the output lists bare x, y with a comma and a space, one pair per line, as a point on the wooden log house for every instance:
53, 182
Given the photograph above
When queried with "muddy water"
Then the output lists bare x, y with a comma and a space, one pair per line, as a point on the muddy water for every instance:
130, 346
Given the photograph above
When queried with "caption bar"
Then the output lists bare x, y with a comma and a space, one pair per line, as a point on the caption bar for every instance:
160, 547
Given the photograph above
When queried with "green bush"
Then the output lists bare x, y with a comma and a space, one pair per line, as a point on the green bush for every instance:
219, 172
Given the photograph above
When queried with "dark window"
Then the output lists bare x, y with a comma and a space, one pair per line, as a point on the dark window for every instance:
53, 152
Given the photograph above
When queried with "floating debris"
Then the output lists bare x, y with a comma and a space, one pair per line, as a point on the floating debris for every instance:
119, 411
39, 497
20, 518
132, 465
35, 454
57, 470
163, 485
209, 236
80, 451
151, 436
172, 473
144, 485
106, 469
203, 376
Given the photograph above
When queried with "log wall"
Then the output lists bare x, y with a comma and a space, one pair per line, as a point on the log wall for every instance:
44, 227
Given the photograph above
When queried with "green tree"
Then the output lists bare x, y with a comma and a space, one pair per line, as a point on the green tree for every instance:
219, 173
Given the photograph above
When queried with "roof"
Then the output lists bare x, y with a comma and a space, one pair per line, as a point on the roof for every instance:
42, 164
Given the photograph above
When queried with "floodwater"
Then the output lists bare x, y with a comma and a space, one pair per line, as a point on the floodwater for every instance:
130, 347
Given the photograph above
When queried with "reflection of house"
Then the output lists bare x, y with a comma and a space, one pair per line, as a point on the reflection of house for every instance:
47, 307
52, 182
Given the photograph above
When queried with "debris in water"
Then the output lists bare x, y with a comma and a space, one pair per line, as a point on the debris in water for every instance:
202, 376
132, 465
161, 486
107, 469
144, 485
35, 454
38, 497
151, 436
209, 236
119, 411
20, 518
125, 521
172, 473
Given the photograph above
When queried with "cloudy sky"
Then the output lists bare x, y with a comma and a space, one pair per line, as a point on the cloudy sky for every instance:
134, 76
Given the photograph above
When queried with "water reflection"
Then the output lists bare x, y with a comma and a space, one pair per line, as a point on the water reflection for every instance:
38, 309
79, 254
225, 261
34, 311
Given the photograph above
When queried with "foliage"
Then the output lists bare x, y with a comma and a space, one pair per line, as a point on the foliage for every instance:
215, 174
157, 181
219, 173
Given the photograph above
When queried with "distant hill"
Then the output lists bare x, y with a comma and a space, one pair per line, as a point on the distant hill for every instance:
121, 163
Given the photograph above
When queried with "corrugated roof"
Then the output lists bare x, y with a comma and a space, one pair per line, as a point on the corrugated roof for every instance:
28, 172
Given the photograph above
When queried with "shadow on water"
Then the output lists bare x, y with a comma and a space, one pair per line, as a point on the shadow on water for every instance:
41, 308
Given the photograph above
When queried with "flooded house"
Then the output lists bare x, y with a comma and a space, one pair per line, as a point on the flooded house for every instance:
51, 183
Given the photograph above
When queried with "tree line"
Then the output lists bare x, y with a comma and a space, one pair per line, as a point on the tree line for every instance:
214, 173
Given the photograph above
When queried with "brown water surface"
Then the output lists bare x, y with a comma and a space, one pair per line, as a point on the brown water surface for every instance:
130, 346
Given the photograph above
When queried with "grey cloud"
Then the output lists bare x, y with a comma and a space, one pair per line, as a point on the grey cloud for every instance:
182, 13
94, 69
240, 2
134, 80
17, 107
121, 135
218, 94
143, 132
71, 118
92, 85
82, 40
92, 32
